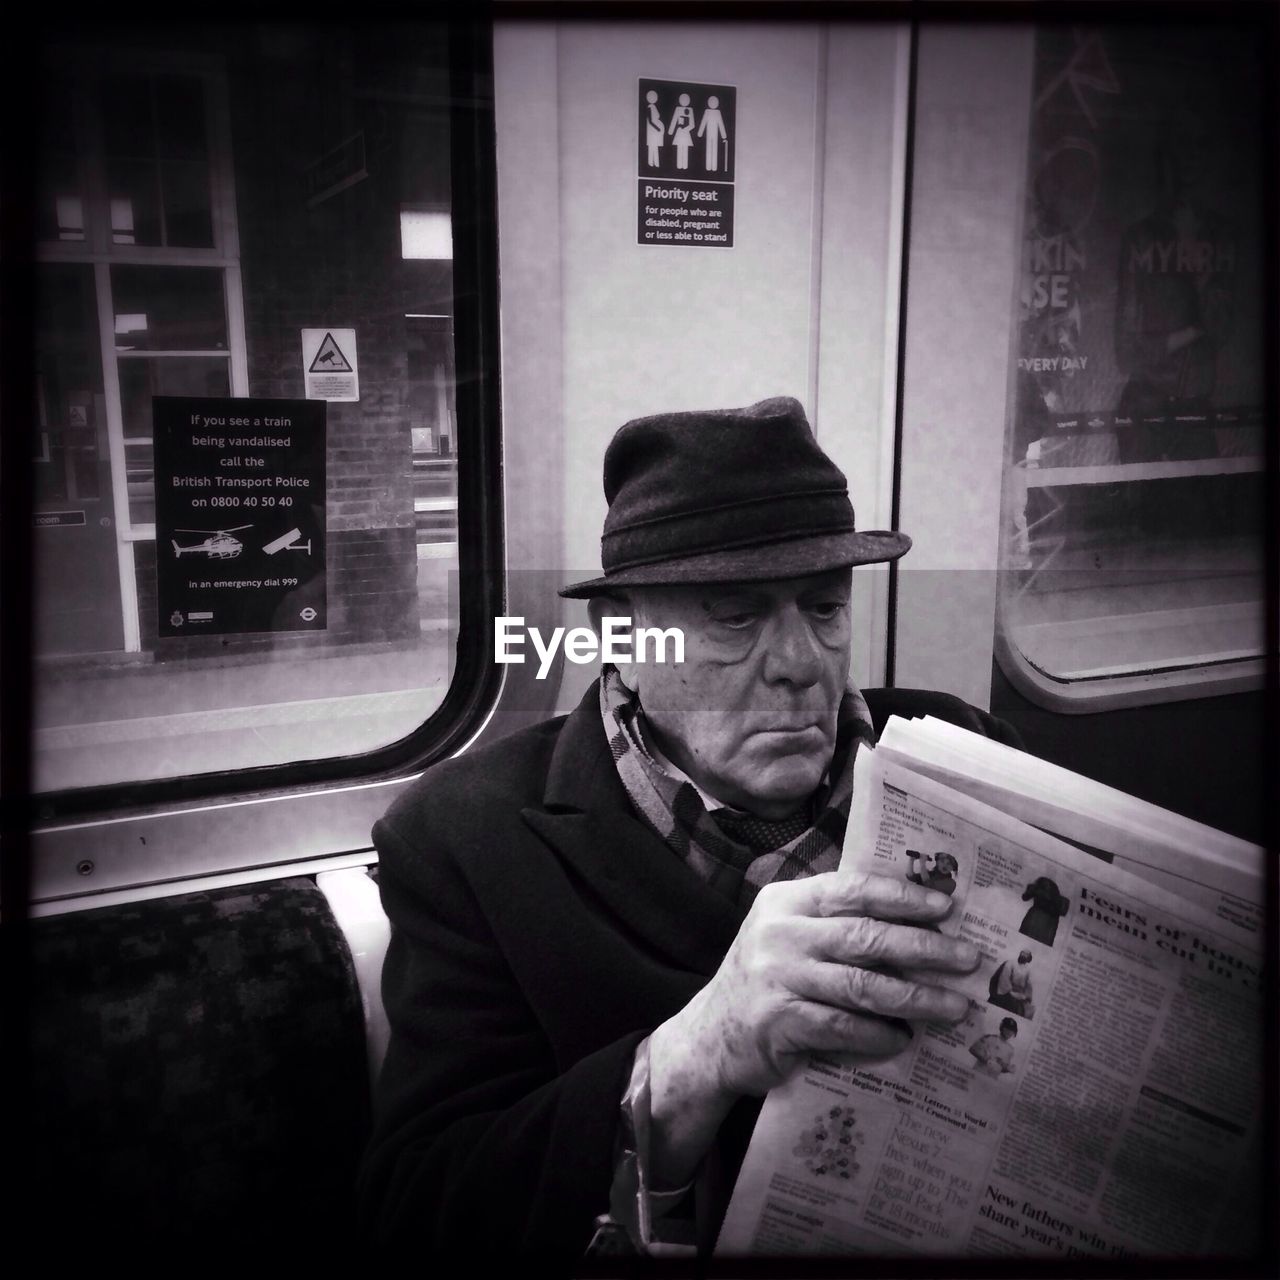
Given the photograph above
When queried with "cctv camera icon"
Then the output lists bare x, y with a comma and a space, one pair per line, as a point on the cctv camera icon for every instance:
288, 542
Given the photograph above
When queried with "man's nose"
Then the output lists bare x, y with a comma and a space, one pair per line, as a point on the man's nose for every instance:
793, 654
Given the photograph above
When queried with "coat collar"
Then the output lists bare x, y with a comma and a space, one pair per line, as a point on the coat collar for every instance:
588, 820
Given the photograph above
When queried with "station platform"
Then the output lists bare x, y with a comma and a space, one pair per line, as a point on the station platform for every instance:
111, 718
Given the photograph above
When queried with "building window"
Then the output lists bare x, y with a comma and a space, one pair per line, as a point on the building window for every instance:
156, 148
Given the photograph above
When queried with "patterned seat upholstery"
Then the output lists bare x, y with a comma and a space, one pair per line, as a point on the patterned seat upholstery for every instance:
198, 1066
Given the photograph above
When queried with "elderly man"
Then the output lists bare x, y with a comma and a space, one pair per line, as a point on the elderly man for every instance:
614, 932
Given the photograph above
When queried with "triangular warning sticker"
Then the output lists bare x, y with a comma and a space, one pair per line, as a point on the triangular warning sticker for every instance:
329, 359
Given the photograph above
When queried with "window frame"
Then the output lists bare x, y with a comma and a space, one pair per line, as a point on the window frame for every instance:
94, 843
1085, 695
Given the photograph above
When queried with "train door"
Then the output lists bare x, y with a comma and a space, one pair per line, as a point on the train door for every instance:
644, 268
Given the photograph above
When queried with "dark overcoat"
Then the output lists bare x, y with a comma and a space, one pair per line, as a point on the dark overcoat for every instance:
539, 931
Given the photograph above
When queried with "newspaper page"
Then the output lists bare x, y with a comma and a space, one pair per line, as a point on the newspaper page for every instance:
1224, 874
1100, 1099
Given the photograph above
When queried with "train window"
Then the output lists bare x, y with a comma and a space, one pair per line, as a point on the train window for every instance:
252, 228
1134, 483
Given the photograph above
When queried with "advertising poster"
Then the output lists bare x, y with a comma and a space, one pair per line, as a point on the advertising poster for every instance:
1141, 289
240, 515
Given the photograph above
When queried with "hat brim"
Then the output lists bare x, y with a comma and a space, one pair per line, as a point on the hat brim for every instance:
768, 563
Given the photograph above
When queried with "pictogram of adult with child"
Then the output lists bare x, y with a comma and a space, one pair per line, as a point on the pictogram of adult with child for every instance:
686, 130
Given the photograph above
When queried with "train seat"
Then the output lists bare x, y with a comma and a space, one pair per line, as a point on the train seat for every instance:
912, 703
352, 894
199, 1068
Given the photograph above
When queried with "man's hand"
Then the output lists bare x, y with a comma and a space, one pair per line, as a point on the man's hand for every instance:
816, 967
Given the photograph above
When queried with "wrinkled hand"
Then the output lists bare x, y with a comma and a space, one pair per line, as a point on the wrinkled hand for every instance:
816, 967
833, 963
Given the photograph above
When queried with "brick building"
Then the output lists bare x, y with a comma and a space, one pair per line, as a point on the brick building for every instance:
205, 195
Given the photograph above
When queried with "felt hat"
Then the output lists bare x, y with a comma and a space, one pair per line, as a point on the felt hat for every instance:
727, 495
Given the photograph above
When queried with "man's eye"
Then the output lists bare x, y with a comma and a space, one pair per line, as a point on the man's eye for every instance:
735, 621
827, 610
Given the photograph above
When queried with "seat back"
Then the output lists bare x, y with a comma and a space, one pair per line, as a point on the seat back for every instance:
198, 1065
910, 703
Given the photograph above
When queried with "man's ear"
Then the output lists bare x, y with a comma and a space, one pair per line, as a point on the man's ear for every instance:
615, 606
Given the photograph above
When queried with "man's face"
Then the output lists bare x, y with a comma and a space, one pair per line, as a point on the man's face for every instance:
750, 715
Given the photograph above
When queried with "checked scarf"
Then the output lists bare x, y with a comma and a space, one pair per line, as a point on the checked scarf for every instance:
736, 853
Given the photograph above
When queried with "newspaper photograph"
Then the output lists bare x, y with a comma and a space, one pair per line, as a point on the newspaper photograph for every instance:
1218, 871
1099, 1100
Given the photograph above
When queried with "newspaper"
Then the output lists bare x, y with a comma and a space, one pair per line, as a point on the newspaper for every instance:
1210, 867
1101, 1098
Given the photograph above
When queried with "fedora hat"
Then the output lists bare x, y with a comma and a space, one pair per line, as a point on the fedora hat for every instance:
727, 495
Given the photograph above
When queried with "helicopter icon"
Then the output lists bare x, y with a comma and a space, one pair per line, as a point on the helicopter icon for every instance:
219, 545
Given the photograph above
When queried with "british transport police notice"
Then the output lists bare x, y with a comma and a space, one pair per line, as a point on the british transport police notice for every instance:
240, 515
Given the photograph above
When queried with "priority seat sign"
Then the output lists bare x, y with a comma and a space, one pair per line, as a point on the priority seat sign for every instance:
686, 153
240, 515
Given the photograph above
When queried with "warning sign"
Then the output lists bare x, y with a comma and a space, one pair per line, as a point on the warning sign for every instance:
329, 359
329, 364
687, 148
240, 515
